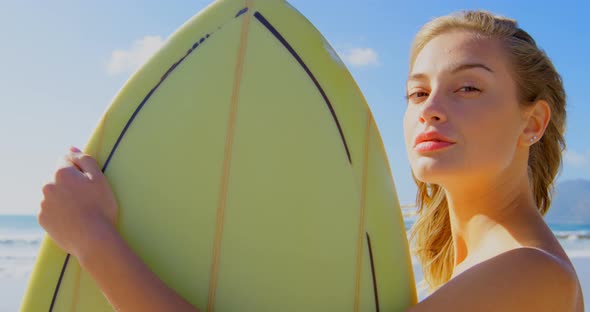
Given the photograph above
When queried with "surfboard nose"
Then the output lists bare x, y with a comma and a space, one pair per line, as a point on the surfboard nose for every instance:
249, 172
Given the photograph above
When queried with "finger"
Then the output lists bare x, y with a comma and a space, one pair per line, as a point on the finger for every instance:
63, 161
67, 161
86, 163
67, 175
73, 150
48, 189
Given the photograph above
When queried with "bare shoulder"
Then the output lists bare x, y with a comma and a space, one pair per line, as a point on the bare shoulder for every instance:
522, 279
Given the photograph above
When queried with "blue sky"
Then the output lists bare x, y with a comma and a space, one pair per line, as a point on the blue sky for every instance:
63, 61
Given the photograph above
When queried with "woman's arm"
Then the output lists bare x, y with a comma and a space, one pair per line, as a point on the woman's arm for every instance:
79, 212
125, 280
523, 279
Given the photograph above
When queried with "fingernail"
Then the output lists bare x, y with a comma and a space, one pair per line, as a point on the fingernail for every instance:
74, 149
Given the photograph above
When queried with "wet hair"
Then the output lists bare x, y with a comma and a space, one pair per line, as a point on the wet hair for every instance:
536, 79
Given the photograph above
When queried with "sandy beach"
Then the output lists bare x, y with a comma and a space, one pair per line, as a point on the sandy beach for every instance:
12, 287
20, 239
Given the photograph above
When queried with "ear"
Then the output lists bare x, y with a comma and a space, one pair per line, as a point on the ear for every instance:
536, 120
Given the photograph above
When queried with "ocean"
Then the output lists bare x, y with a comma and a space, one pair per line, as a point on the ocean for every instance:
21, 236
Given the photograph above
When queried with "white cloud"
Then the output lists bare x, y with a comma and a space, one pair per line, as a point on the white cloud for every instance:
361, 57
577, 159
127, 61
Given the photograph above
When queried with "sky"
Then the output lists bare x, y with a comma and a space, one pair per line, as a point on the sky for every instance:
62, 62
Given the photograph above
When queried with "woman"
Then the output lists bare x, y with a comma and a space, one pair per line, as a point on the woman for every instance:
484, 132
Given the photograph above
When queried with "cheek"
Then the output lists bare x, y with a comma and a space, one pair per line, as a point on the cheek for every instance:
411, 123
492, 135
409, 126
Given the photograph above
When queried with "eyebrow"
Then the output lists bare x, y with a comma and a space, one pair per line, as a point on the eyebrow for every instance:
459, 68
470, 66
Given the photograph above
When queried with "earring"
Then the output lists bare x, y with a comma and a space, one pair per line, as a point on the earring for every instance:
533, 138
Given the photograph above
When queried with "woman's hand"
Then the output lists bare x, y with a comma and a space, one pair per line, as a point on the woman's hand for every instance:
79, 211
78, 205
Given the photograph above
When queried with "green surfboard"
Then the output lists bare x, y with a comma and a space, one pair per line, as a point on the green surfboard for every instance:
250, 175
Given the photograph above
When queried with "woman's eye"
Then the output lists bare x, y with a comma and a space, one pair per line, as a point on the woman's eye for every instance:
469, 89
417, 95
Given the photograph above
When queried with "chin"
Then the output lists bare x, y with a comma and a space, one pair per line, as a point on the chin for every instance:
432, 171
425, 177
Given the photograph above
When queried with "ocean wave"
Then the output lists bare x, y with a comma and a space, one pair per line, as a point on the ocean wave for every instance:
20, 242
16, 266
18, 257
16, 271
572, 235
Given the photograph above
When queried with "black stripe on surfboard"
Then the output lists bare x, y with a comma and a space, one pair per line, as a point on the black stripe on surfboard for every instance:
286, 44
373, 272
170, 70
145, 99
61, 275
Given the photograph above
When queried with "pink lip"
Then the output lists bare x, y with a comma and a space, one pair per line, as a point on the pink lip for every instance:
431, 141
429, 146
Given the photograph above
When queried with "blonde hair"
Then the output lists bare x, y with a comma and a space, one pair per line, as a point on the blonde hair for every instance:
536, 79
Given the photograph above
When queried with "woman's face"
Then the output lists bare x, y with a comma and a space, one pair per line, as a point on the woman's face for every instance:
462, 96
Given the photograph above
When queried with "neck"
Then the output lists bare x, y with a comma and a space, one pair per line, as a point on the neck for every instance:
477, 210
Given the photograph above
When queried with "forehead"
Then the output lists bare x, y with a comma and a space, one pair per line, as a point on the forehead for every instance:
452, 49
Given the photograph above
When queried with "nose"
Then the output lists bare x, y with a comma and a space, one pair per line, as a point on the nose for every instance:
432, 109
